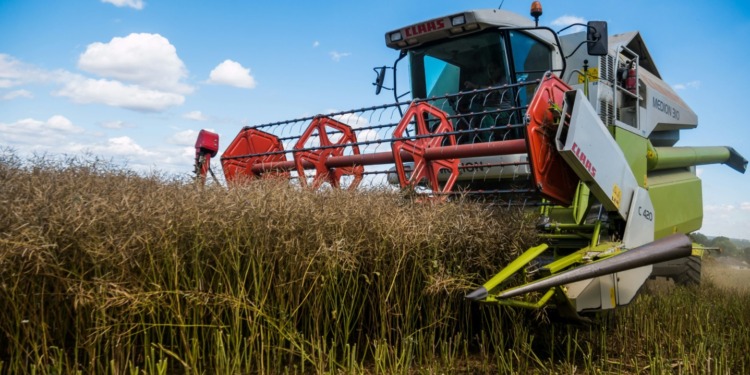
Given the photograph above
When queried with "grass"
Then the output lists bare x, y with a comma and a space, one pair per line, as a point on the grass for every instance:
106, 271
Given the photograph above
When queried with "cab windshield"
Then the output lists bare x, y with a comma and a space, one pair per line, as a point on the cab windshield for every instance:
490, 58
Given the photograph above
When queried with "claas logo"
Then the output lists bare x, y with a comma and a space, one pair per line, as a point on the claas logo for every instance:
585, 161
425, 27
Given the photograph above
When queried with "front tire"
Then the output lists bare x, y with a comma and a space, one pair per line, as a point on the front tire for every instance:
684, 271
691, 272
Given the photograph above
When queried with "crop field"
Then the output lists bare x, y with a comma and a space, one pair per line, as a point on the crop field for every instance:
105, 271
730, 278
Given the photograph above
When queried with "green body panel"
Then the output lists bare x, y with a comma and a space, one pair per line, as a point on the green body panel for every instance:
577, 210
635, 149
678, 202
514, 267
675, 191
524, 304
679, 157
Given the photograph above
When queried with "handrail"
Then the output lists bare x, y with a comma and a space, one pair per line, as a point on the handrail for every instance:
634, 60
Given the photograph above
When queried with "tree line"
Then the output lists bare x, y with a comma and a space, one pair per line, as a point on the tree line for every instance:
737, 248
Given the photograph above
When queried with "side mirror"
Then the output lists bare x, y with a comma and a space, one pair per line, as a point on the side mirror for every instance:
379, 80
597, 39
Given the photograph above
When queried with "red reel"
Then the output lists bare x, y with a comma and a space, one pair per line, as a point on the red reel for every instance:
260, 147
334, 138
425, 169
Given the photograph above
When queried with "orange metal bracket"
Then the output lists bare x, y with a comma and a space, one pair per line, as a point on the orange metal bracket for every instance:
553, 176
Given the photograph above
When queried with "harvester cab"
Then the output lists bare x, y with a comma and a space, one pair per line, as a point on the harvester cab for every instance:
579, 127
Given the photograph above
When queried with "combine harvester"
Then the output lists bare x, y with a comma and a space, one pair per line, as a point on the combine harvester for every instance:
579, 126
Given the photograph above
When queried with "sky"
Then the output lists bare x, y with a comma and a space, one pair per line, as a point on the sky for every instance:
135, 80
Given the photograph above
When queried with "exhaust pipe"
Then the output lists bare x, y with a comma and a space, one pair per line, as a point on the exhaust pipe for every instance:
668, 248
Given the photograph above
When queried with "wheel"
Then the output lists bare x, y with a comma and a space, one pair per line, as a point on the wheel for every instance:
684, 271
690, 273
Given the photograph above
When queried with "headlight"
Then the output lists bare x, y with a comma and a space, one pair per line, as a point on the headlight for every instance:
458, 20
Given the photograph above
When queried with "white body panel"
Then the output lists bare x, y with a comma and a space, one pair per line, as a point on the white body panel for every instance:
660, 108
663, 109
588, 144
492, 168
593, 294
590, 150
488, 168
639, 231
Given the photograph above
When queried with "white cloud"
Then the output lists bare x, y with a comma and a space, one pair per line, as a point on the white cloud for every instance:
727, 220
141, 72
116, 124
127, 151
124, 151
567, 20
18, 94
11, 72
56, 123
195, 116
14, 73
148, 60
184, 138
719, 209
60, 123
116, 94
135, 4
688, 85
337, 56
316, 44
117, 147
38, 135
356, 122
59, 136
233, 74
122, 146
350, 119
367, 135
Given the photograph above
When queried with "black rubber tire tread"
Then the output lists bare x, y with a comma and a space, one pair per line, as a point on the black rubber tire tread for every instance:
691, 274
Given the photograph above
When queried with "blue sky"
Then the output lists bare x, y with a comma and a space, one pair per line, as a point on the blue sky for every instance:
135, 80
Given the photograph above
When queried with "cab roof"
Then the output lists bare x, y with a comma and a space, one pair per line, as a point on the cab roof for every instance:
451, 26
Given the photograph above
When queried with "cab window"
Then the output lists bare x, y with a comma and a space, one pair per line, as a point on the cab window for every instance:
458, 64
531, 59
441, 77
